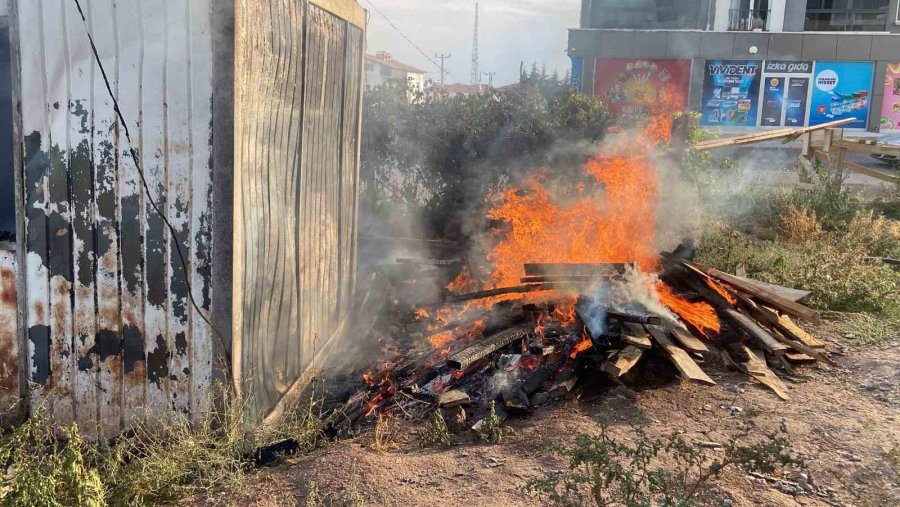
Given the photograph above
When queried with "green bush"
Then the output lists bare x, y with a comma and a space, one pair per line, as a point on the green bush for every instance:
644, 471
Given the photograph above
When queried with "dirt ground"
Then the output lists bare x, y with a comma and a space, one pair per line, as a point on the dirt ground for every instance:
842, 421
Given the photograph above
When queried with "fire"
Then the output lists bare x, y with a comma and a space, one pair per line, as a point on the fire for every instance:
583, 345
700, 315
721, 291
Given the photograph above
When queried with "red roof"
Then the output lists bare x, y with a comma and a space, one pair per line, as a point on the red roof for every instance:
386, 59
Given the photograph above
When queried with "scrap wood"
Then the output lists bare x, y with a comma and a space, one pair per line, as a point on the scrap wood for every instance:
486, 347
635, 334
687, 340
593, 279
758, 370
790, 329
575, 269
634, 319
521, 289
623, 361
771, 319
771, 298
679, 357
767, 136
755, 331
795, 295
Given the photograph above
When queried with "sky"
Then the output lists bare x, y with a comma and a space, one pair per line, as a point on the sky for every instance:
512, 31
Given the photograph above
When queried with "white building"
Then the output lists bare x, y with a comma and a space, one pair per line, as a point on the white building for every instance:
382, 68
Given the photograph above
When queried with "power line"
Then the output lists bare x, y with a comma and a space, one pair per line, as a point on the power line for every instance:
443, 57
411, 43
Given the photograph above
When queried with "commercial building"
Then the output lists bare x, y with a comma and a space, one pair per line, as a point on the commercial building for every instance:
745, 63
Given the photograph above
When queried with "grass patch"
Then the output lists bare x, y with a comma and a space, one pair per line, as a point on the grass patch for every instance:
158, 462
437, 434
864, 329
642, 471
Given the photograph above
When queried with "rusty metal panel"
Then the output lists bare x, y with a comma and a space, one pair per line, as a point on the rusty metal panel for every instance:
296, 152
111, 333
9, 335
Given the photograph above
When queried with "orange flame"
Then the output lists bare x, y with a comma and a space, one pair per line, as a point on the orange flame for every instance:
700, 314
583, 345
721, 291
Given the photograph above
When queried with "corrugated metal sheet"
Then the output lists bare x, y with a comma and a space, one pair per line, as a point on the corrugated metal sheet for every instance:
110, 329
9, 337
297, 114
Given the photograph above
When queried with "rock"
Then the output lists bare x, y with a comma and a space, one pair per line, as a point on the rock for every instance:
735, 409
788, 490
707, 408
710, 445
727, 502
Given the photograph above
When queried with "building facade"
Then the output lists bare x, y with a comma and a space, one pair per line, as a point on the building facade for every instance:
382, 68
744, 63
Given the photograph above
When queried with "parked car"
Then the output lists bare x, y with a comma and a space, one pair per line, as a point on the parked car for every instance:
892, 140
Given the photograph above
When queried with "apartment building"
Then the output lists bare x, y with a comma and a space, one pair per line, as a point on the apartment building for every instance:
744, 63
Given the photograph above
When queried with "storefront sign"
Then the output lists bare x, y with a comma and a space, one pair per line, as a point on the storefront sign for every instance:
841, 90
785, 93
730, 93
632, 88
890, 111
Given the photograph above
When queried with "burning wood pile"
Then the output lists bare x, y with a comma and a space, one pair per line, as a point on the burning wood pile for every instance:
571, 325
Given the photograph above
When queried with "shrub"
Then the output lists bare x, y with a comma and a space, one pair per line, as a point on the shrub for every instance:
646, 471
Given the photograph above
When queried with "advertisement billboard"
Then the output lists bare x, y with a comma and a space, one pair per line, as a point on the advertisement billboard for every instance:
631, 88
730, 93
785, 93
841, 90
890, 111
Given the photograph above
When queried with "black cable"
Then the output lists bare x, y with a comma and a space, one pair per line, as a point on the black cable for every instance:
413, 44
137, 164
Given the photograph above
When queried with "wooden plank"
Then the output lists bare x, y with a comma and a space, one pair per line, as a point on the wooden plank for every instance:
853, 146
795, 332
767, 136
762, 337
642, 342
769, 297
679, 357
771, 319
485, 347
859, 169
623, 361
758, 370
688, 340
796, 295
575, 269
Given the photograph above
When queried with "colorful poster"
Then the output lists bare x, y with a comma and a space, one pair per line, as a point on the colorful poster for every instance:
785, 89
773, 102
730, 93
890, 111
841, 90
631, 88
797, 102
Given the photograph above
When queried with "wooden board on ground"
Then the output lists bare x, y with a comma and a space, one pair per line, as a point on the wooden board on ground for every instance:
679, 357
795, 332
688, 340
635, 334
623, 362
758, 369
795, 295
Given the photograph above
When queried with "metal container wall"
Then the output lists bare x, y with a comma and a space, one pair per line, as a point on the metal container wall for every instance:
298, 74
110, 330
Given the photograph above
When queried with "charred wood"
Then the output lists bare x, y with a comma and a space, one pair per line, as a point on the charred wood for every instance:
486, 347
567, 269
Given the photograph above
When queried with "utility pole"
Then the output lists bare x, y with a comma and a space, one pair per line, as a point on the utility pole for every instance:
476, 77
490, 76
443, 57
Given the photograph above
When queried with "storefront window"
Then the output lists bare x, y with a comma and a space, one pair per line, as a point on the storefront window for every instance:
847, 15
